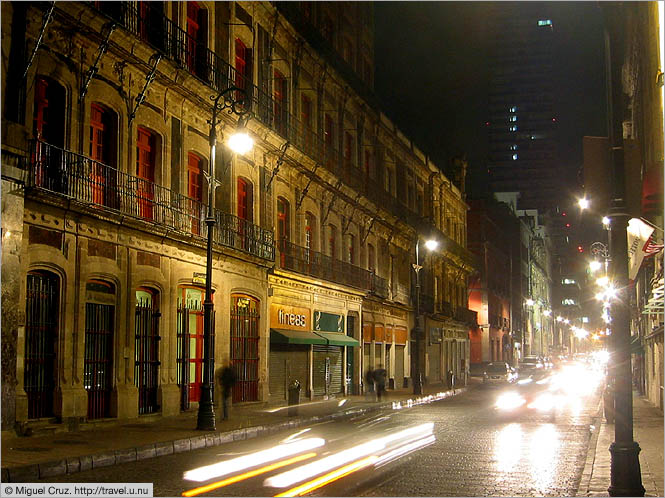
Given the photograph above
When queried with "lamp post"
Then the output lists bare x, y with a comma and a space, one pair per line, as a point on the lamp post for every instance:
625, 476
418, 331
224, 100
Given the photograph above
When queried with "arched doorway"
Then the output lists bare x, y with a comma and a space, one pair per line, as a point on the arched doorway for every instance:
146, 348
41, 334
98, 358
245, 347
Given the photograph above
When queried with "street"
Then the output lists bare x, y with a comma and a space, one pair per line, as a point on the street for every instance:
459, 446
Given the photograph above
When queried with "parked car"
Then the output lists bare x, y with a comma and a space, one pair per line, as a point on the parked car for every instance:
499, 372
530, 367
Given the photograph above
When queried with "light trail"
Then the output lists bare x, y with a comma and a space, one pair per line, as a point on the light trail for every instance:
247, 475
319, 482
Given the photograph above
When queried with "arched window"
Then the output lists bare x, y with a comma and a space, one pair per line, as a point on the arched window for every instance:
42, 316
195, 190
146, 348
146, 152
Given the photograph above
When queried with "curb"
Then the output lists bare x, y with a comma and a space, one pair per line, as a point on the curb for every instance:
585, 481
31, 473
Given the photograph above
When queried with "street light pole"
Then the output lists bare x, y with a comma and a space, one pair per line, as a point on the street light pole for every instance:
206, 414
625, 476
418, 332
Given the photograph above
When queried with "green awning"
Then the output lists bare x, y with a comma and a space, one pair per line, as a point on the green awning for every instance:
281, 336
337, 339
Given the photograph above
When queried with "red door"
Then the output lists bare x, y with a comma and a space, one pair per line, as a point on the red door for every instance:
280, 103
145, 170
98, 152
195, 190
192, 34
282, 227
244, 210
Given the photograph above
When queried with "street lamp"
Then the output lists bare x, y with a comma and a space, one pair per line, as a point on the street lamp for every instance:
226, 99
418, 330
625, 475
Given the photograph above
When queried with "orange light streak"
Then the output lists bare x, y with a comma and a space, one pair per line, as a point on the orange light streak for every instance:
319, 482
247, 475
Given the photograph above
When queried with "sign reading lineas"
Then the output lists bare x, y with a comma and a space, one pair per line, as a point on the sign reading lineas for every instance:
289, 317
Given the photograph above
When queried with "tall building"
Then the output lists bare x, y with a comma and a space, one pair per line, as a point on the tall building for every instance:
521, 119
107, 165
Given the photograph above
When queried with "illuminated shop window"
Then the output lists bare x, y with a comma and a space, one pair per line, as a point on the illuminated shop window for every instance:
544, 22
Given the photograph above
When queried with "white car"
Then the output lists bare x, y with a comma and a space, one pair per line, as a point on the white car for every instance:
499, 372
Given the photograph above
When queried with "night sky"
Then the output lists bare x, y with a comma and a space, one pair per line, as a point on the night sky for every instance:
432, 76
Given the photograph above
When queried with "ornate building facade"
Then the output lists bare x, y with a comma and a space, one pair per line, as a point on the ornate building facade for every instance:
106, 160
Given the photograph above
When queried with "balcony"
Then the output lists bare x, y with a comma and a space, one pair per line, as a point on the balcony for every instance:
86, 182
152, 26
315, 264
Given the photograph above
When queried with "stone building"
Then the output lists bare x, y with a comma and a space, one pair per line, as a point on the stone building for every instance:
105, 160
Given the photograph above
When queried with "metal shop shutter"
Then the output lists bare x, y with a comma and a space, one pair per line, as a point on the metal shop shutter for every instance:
287, 362
434, 351
399, 366
332, 356
367, 349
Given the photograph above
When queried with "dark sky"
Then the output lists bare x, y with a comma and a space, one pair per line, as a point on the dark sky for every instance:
431, 74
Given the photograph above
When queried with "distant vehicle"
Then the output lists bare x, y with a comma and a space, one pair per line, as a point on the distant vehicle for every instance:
499, 372
531, 366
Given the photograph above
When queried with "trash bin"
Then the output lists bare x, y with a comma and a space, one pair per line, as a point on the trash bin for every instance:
294, 397
451, 380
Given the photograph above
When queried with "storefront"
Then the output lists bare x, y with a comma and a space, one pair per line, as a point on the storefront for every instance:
384, 341
448, 349
314, 344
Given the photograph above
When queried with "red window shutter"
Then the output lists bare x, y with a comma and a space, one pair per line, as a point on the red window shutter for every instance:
194, 183
241, 63
145, 161
282, 219
41, 107
242, 199
329, 130
97, 133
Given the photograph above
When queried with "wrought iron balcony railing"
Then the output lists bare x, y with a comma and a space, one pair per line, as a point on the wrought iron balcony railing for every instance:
150, 24
315, 264
95, 184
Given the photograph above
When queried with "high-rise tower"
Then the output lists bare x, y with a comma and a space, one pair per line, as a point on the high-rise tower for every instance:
521, 120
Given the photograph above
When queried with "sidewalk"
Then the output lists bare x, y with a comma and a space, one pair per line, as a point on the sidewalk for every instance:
26, 459
647, 432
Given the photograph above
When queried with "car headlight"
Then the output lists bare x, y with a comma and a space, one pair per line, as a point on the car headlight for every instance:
509, 401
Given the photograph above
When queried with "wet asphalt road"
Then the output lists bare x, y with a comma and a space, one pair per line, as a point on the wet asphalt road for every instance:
476, 452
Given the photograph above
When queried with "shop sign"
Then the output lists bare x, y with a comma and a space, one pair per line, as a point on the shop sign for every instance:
328, 322
198, 278
289, 317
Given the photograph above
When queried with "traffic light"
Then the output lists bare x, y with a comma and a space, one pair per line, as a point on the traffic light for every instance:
580, 249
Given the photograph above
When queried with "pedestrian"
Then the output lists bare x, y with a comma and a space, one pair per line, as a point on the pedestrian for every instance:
369, 384
380, 375
228, 378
